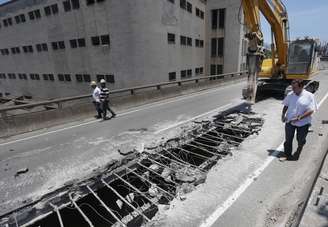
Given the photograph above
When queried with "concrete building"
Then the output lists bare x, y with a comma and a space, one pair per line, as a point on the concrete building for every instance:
226, 46
52, 48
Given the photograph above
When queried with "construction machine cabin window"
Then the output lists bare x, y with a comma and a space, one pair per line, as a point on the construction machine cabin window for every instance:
300, 56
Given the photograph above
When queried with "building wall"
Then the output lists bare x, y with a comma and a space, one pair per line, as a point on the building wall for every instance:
139, 52
232, 34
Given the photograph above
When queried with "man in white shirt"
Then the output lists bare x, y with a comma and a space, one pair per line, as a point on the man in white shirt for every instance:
96, 98
299, 105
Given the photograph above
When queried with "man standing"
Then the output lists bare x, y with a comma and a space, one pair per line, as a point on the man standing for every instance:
104, 98
96, 98
299, 105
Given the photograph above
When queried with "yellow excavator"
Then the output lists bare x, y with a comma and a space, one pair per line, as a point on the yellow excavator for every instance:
289, 59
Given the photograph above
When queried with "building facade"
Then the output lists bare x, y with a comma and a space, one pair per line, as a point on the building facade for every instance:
53, 48
226, 49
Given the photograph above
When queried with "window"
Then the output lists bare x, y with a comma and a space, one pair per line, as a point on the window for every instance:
216, 69
220, 46
189, 41
54, 45
189, 73
183, 4
32, 76
54, 8
51, 77
217, 47
87, 78
100, 77
199, 13
61, 44
44, 47
90, 2
37, 14
172, 76
75, 4
110, 78
31, 15
9, 21
45, 76
22, 18
172, 1
5, 23
221, 18
73, 43
61, 77
68, 77
67, 6
183, 40
213, 70
38, 47
105, 39
95, 40
214, 14
17, 19
189, 7
171, 38
47, 10
79, 78
213, 47
81, 42
30, 49
183, 74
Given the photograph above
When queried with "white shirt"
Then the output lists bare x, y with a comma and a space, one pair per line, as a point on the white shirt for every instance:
298, 105
96, 94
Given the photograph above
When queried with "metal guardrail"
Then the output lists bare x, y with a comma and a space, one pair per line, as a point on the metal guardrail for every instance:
132, 90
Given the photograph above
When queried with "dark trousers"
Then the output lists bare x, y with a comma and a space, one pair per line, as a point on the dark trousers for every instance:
98, 108
289, 137
105, 107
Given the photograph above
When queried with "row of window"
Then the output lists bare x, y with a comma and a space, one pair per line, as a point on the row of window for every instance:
60, 77
184, 40
53, 9
188, 7
186, 73
216, 69
59, 45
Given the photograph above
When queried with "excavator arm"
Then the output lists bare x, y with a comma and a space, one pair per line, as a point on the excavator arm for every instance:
276, 15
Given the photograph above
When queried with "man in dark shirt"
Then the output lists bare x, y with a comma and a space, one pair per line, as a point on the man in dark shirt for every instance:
104, 99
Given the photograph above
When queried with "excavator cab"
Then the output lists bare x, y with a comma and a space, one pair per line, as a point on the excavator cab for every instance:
302, 59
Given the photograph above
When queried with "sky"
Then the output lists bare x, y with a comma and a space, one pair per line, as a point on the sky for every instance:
306, 18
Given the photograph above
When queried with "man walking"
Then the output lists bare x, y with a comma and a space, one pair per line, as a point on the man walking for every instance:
104, 98
96, 98
299, 105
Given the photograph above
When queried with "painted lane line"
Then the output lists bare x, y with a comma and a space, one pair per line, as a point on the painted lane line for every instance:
222, 208
191, 119
147, 106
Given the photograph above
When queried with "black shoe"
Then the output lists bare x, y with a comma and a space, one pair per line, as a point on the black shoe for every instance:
98, 117
113, 115
106, 118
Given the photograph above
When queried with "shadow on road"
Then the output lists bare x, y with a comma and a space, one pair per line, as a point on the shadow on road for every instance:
323, 211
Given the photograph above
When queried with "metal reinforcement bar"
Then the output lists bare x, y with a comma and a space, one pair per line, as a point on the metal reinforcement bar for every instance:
105, 206
58, 215
124, 200
80, 211
131, 90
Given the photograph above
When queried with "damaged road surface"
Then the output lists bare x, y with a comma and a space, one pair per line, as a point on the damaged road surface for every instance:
130, 192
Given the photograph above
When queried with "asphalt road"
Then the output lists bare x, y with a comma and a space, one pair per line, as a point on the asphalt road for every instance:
61, 154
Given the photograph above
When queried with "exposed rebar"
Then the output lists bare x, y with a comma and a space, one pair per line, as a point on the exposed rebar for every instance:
105, 206
80, 211
58, 214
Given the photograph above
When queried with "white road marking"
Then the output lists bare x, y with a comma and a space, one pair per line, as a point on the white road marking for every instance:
193, 118
145, 107
222, 208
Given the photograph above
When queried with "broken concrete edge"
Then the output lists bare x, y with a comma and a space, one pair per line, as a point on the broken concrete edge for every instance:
40, 208
59, 196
